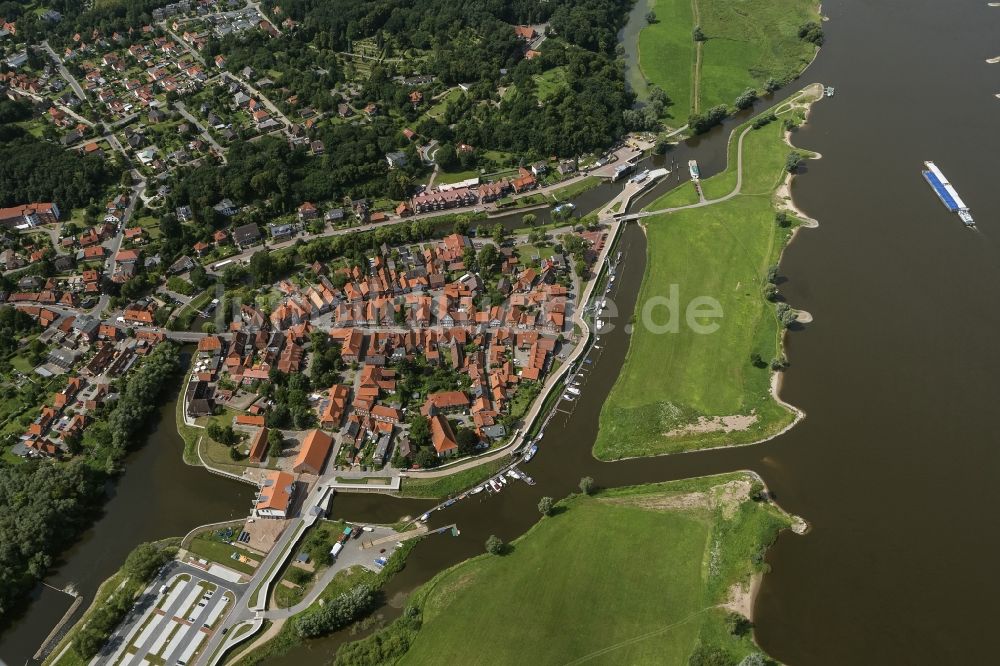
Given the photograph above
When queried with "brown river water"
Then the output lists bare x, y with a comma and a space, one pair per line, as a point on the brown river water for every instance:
894, 466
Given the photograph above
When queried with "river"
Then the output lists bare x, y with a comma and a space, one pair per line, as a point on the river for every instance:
894, 466
157, 497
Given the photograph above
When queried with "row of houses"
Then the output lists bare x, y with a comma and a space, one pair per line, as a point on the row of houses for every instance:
447, 197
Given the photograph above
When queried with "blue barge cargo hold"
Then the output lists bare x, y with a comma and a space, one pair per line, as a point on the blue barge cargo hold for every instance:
948, 195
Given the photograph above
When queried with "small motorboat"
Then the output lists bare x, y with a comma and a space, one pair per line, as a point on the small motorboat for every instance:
532, 450
477, 489
496, 487
527, 479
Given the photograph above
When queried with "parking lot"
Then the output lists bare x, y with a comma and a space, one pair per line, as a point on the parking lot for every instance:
180, 617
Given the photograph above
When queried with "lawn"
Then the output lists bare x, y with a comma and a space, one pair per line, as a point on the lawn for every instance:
188, 313
682, 195
567, 192
449, 177
672, 380
213, 549
439, 107
628, 576
445, 486
549, 83
317, 542
748, 42
666, 54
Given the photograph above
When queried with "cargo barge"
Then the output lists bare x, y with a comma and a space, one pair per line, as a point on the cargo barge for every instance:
949, 197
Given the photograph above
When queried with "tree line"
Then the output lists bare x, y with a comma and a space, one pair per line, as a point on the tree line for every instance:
47, 504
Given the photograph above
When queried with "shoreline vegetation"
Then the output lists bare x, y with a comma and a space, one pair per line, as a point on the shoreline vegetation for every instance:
704, 53
111, 602
283, 635
684, 391
708, 535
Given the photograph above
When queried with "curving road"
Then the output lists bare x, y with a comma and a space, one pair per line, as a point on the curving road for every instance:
737, 190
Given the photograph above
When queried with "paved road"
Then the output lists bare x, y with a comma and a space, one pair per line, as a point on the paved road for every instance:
187, 47
270, 106
202, 131
340, 231
354, 554
249, 603
781, 108
62, 107
74, 84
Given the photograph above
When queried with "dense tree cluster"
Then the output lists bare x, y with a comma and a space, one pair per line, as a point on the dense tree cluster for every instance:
15, 325
136, 402
306, 72
290, 393
45, 507
702, 122
271, 171
812, 32
326, 362
583, 115
34, 170
335, 614
82, 17
385, 646
140, 566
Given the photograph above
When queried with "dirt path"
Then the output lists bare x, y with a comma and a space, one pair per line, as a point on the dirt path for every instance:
789, 104
696, 74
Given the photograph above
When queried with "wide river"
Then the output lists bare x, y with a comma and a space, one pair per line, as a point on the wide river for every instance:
895, 464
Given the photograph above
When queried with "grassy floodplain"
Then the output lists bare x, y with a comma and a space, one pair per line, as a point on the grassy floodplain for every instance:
686, 390
748, 42
557, 596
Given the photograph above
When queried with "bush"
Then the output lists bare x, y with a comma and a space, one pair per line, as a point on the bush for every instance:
144, 561
587, 485
494, 545
746, 99
385, 646
710, 656
702, 122
299, 576
761, 121
812, 32
545, 506
792, 162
